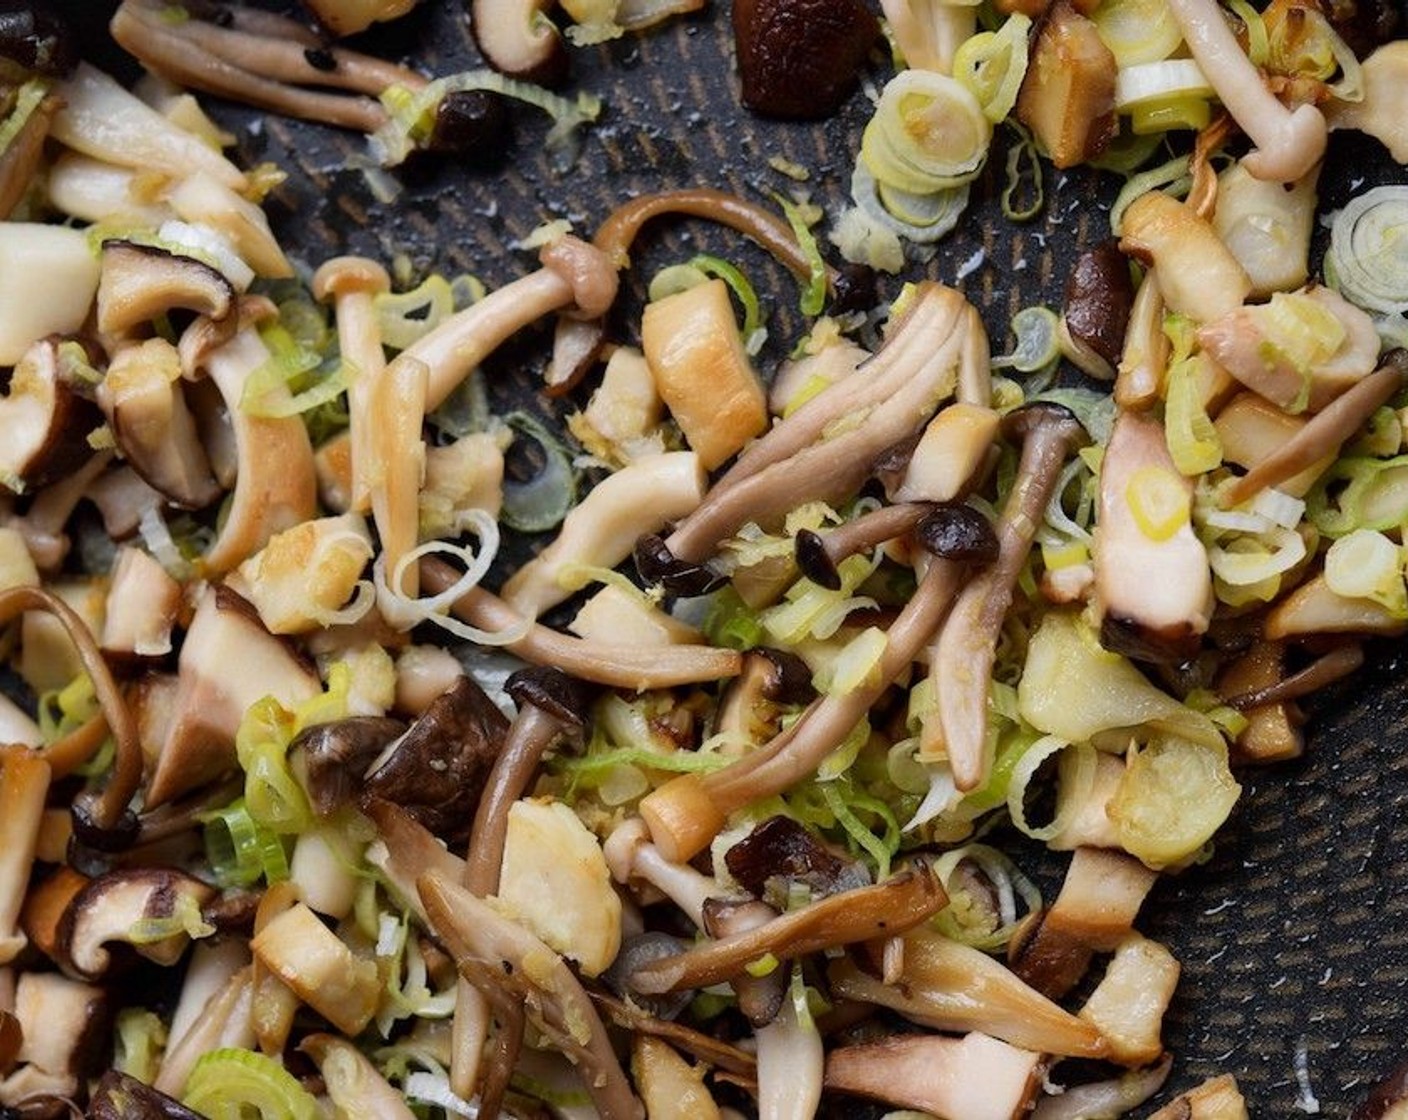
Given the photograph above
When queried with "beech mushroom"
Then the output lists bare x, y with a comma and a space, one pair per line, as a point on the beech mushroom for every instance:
688, 811
502, 958
601, 530
228, 661
1144, 526
974, 1077
516, 38
1289, 142
142, 398
818, 555
961, 660
752, 705
952, 987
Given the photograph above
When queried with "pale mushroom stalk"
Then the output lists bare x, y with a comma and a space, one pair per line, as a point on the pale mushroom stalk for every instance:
224, 1021
962, 658
1323, 671
616, 665
551, 706
1144, 357
818, 554
24, 784
687, 812
807, 457
1325, 431
393, 459
1289, 142
631, 855
106, 814
352, 283
791, 1063
353, 1083
483, 941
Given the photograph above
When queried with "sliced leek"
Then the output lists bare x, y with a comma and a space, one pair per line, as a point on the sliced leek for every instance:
929, 132
992, 65
1137, 31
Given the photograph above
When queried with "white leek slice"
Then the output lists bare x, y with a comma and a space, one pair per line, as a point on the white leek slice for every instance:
1366, 249
1168, 80
1137, 31
929, 132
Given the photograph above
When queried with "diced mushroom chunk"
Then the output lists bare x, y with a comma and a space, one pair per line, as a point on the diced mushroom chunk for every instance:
1068, 95
47, 416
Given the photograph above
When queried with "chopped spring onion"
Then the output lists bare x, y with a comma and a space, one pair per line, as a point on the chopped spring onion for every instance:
1024, 178
242, 851
929, 132
1171, 177
1080, 778
185, 920
1366, 249
731, 622
543, 501
1137, 31
844, 802
1036, 330
412, 114
272, 794
405, 317
1360, 494
1248, 561
1174, 795
141, 1041
814, 295
277, 388
992, 65
227, 1084
1365, 564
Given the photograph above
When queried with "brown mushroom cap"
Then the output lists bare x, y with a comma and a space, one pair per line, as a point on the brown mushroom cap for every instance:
333, 757
107, 910
46, 416
516, 39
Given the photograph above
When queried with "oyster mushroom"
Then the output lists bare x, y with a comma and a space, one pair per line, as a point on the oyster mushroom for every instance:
518, 970
961, 660
1198, 275
1144, 526
1289, 142
142, 398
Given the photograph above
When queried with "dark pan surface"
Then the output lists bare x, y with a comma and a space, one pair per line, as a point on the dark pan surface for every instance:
1294, 937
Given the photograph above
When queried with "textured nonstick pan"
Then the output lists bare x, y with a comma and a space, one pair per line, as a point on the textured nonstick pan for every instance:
1294, 937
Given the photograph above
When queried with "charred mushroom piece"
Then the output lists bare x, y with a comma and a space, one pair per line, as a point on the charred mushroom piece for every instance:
1068, 95
976, 1077
142, 607
153, 911
780, 852
347, 17
47, 416
119, 1096
1153, 585
949, 457
140, 282
515, 969
438, 769
332, 757
297, 948
1198, 275
961, 660
1219, 1098
1099, 298
800, 59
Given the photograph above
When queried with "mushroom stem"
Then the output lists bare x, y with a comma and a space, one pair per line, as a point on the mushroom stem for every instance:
805, 457
109, 807
962, 658
818, 555
618, 666
500, 954
1323, 671
631, 855
1146, 347
24, 784
1325, 431
353, 284
1289, 142
791, 1065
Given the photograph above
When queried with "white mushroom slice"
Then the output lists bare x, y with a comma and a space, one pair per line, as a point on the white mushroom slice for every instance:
48, 657
952, 449
228, 662
603, 528
1312, 608
225, 1021
970, 1078
1267, 227
62, 1022
117, 906
1153, 585
614, 614
17, 569
554, 880
1383, 112
622, 419
94, 191
464, 475
313, 961
1128, 1005
103, 120
671, 1088
142, 606
1198, 275
304, 576
203, 200
16, 727
1300, 351
276, 486
47, 281
1218, 1098
124, 499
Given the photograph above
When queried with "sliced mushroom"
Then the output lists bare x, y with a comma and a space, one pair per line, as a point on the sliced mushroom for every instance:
45, 906
1128, 1004
47, 281
1153, 585
1113, 1097
752, 705
615, 615
1144, 359
305, 577
1068, 95
353, 1083
331, 758
313, 962
1313, 608
1098, 300
1267, 227
1273, 730
671, 1088
975, 1077
47, 415
131, 907
64, 1025
142, 607
140, 282
228, 661
438, 769
949, 455
1198, 275
516, 38
224, 1021
952, 987
1251, 430
24, 785
1219, 1098
276, 486
1380, 113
